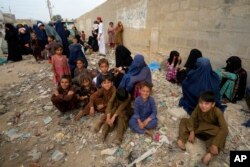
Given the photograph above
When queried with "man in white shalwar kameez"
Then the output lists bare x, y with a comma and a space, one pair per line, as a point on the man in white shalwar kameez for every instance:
100, 37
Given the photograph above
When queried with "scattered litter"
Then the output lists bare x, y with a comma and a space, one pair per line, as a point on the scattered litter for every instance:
47, 120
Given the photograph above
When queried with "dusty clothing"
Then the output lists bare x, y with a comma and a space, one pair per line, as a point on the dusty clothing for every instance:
111, 36
63, 101
51, 48
101, 96
143, 110
87, 92
123, 110
60, 67
118, 35
209, 126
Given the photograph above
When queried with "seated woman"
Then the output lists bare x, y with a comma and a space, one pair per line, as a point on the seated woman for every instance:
123, 60
201, 79
137, 72
190, 65
172, 64
233, 80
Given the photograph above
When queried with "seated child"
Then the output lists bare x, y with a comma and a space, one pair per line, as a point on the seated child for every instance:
99, 100
87, 88
207, 123
144, 117
75, 52
117, 114
79, 71
138, 71
64, 97
172, 64
104, 71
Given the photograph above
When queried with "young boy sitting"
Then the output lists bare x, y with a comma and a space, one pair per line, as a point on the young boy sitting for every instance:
117, 114
144, 119
98, 101
104, 71
207, 123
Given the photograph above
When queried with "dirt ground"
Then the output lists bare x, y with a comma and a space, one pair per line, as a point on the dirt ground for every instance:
32, 134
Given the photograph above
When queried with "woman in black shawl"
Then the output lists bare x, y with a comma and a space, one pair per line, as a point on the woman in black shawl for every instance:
14, 53
123, 60
190, 64
233, 80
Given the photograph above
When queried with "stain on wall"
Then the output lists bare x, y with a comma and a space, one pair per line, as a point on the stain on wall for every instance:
134, 16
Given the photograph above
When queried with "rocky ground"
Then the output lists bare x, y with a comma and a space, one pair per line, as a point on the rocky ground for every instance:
33, 135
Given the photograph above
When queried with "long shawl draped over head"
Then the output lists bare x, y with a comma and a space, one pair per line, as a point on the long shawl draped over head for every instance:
201, 79
233, 64
75, 51
135, 68
193, 56
122, 56
61, 32
50, 30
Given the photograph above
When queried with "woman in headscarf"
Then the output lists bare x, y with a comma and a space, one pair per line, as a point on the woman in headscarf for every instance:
24, 38
137, 72
123, 60
190, 64
62, 33
75, 52
233, 80
41, 35
118, 33
11, 36
50, 30
198, 80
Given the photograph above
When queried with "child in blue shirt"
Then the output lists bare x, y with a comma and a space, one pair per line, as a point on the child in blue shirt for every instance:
144, 117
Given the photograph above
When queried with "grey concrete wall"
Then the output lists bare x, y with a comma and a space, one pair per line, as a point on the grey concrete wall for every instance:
219, 28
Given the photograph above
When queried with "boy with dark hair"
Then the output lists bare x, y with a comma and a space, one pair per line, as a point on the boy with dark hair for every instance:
98, 101
117, 114
207, 123
104, 71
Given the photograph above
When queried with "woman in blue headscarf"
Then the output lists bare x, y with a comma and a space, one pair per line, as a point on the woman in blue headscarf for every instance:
138, 71
41, 35
62, 33
198, 80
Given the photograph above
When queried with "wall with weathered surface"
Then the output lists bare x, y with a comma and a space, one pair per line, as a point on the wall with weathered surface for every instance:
219, 28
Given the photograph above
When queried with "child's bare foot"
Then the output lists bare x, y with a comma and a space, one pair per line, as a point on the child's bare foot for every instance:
150, 133
207, 158
98, 127
181, 144
78, 116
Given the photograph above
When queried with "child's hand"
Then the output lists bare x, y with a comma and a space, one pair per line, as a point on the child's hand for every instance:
141, 125
56, 92
100, 106
191, 137
92, 111
70, 92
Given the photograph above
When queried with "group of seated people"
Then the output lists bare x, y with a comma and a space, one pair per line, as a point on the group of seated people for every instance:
113, 90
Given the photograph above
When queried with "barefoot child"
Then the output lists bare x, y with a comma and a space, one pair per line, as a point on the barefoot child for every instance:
117, 114
144, 117
60, 64
86, 90
207, 123
99, 100
64, 97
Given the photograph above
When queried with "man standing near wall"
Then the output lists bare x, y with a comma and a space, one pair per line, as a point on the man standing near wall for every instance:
100, 38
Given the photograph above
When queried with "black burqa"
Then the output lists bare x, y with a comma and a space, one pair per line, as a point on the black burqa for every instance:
14, 52
122, 59
190, 64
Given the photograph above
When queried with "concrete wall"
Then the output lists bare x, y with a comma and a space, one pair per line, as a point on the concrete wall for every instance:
219, 28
